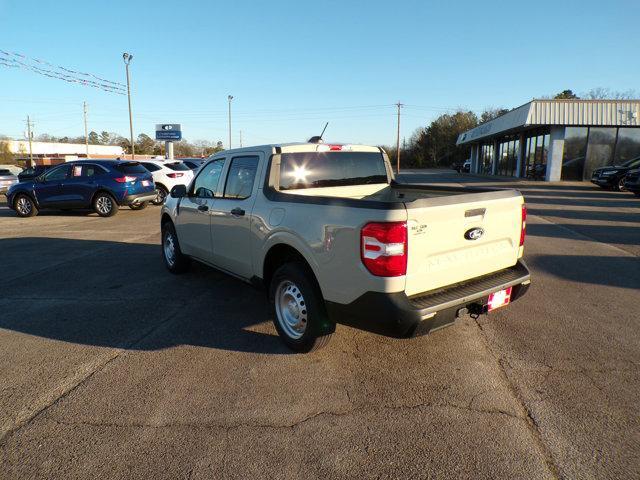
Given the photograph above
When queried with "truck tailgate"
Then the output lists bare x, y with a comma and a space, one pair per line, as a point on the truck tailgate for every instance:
443, 249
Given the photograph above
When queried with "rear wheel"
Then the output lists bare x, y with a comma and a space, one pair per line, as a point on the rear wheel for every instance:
161, 195
25, 206
175, 261
298, 309
139, 206
105, 205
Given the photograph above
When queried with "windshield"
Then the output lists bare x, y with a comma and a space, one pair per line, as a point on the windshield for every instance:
632, 163
330, 169
177, 166
130, 167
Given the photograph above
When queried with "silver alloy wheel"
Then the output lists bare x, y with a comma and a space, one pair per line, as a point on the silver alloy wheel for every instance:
161, 196
291, 309
169, 249
621, 186
23, 205
104, 205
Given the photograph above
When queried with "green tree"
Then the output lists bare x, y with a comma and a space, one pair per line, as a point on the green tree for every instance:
437, 143
93, 138
104, 138
491, 113
568, 94
145, 144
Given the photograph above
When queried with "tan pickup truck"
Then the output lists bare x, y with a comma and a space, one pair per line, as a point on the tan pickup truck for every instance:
333, 238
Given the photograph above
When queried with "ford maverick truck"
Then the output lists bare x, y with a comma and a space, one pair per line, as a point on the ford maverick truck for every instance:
333, 238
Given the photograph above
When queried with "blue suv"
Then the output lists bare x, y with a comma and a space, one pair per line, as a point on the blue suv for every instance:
102, 185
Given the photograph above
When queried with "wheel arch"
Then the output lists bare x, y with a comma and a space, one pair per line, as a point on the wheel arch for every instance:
279, 254
27, 193
103, 190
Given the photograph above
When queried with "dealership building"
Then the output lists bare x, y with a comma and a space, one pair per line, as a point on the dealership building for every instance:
559, 139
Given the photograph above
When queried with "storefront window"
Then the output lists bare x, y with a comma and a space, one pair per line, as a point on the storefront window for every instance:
627, 146
575, 150
599, 149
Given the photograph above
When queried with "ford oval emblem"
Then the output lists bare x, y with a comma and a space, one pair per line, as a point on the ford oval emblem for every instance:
474, 233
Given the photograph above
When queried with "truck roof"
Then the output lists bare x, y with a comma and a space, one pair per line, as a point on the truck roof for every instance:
304, 147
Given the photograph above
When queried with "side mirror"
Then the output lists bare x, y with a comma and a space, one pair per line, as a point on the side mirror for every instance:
179, 191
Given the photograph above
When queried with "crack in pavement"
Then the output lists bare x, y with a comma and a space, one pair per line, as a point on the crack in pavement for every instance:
63, 390
278, 426
532, 423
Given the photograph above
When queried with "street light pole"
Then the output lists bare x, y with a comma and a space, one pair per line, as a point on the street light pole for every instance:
86, 135
127, 60
399, 105
229, 98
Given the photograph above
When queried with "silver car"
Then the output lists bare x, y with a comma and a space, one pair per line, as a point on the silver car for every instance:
6, 179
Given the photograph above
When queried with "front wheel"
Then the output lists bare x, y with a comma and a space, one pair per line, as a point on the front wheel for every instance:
298, 309
138, 206
620, 186
175, 261
24, 206
105, 205
161, 196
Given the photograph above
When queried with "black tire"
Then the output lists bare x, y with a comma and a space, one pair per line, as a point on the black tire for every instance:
105, 205
161, 195
25, 206
139, 206
178, 263
293, 280
620, 185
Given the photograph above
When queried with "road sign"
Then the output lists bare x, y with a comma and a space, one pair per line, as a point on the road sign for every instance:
168, 131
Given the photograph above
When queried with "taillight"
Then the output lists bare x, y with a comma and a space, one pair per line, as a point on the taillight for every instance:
384, 248
174, 175
523, 224
125, 179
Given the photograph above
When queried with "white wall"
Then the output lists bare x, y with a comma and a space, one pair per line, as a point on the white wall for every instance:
51, 148
554, 156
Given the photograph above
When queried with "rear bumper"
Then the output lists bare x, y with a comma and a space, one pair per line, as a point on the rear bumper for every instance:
396, 315
139, 198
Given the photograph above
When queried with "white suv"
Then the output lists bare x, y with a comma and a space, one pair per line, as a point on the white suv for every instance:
166, 175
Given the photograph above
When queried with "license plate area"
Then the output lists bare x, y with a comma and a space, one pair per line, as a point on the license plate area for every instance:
499, 299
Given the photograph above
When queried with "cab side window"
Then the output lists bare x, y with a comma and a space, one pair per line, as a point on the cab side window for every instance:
57, 173
241, 176
206, 183
91, 170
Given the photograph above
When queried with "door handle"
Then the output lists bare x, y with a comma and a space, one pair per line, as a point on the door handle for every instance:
203, 208
237, 212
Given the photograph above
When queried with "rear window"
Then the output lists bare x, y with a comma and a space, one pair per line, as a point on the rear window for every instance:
330, 169
5, 172
130, 167
152, 167
177, 166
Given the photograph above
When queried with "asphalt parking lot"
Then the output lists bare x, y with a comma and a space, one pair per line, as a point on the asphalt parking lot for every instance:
113, 368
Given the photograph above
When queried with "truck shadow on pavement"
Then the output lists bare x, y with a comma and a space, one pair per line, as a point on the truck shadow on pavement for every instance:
119, 295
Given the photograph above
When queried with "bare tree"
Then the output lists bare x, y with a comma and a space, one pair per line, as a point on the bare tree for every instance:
602, 93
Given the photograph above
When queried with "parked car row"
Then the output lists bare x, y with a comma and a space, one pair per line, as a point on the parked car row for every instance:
99, 185
616, 177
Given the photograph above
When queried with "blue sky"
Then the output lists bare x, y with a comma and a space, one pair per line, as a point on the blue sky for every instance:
292, 65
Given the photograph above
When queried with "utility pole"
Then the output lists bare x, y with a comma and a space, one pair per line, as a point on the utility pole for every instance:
229, 98
86, 134
240, 138
127, 60
399, 105
30, 137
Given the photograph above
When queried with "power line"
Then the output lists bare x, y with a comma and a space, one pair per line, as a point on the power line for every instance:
15, 60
